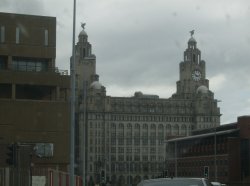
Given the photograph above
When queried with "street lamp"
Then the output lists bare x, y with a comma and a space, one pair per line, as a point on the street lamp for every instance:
215, 150
215, 154
72, 103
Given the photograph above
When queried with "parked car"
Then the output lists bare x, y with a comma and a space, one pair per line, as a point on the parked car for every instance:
213, 183
175, 182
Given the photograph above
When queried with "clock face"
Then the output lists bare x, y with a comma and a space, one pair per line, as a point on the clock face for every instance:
196, 75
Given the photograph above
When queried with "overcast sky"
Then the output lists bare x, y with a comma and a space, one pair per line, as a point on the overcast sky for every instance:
139, 43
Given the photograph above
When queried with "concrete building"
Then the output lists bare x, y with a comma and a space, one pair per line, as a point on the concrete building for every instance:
123, 137
221, 153
34, 94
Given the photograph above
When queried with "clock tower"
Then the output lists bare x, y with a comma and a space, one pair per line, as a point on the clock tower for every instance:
192, 71
193, 89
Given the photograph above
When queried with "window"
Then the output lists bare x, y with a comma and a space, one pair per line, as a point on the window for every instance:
145, 134
129, 150
112, 125
46, 37
121, 126
128, 158
160, 127
3, 62
145, 126
29, 64
144, 150
152, 150
161, 141
137, 158
137, 126
2, 34
152, 158
144, 158
121, 158
129, 141
113, 134
152, 141
144, 141
113, 150
137, 141
120, 141
121, 150
113, 141
113, 158
137, 150
17, 35
120, 134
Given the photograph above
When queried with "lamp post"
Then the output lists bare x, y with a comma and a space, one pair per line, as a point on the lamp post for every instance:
175, 159
129, 163
215, 150
215, 154
72, 103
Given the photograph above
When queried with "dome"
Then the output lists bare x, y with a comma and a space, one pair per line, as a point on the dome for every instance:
96, 85
83, 33
192, 40
202, 89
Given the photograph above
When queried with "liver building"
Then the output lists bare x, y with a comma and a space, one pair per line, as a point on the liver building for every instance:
120, 140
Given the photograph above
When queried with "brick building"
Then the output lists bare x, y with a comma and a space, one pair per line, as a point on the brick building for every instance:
197, 156
34, 94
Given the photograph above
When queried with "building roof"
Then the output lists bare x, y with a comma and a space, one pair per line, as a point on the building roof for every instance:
96, 85
202, 89
203, 135
192, 40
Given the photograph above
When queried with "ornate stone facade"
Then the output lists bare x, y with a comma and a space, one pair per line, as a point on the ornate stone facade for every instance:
123, 137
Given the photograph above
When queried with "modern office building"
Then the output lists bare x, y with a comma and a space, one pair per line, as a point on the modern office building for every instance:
123, 137
34, 94
221, 153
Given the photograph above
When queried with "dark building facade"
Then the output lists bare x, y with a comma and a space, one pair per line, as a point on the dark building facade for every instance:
221, 153
34, 94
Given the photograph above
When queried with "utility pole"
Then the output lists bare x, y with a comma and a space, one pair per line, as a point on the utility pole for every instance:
175, 157
83, 134
215, 154
72, 104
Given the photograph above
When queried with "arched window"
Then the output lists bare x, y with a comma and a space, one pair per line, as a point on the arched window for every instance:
183, 130
152, 126
145, 126
113, 126
129, 126
160, 127
176, 130
168, 129
137, 126
121, 126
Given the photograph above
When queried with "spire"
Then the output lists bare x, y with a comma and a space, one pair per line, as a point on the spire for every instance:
83, 46
83, 33
192, 42
192, 53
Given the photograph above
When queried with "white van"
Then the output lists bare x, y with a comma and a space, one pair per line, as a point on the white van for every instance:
175, 182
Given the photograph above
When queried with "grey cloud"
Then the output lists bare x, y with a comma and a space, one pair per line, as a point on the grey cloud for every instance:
141, 44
